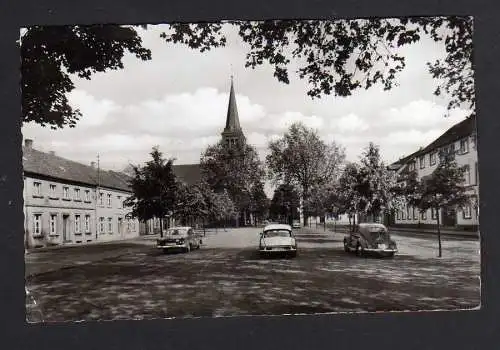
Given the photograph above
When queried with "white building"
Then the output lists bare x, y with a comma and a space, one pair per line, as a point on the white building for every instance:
69, 202
461, 140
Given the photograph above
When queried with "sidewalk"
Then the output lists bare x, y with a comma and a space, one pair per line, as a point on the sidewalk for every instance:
396, 230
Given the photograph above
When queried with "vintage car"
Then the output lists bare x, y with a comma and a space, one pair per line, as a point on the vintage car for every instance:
34, 313
296, 224
179, 238
277, 239
370, 238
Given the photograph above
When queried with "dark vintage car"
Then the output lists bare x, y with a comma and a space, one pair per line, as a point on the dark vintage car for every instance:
179, 238
370, 238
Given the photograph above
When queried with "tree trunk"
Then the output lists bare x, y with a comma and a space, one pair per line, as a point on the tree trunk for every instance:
161, 227
439, 233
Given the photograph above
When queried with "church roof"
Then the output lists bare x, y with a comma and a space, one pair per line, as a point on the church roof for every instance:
190, 174
232, 119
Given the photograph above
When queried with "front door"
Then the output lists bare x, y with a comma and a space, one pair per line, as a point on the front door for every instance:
449, 216
65, 228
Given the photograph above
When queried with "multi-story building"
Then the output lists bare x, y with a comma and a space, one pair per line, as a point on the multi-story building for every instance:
69, 202
461, 141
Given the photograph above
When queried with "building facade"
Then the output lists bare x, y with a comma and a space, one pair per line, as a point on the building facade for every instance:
66, 202
461, 141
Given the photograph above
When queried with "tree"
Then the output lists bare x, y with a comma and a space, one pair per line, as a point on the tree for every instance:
335, 56
302, 159
260, 203
285, 203
50, 54
444, 189
347, 198
375, 183
236, 170
154, 189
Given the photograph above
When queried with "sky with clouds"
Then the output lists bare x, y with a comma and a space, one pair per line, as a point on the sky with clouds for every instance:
178, 101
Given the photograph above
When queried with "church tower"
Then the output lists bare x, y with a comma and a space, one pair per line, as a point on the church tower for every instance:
232, 133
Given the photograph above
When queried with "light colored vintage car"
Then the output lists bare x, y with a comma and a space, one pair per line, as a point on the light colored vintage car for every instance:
277, 239
179, 238
296, 224
371, 238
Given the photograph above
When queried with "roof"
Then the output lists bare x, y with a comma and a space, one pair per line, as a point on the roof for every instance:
277, 227
458, 131
455, 133
232, 119
53, 166
188, 173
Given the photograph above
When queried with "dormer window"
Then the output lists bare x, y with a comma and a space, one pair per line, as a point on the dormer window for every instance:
422, 162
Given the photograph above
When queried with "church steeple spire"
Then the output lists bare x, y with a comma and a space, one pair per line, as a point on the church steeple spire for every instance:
232, 133
232, 119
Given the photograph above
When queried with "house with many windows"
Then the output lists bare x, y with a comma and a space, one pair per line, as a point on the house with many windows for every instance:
69, 202
459, 140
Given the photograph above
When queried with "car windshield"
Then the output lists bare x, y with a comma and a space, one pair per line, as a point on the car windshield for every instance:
176, 232
277, 233
377, 232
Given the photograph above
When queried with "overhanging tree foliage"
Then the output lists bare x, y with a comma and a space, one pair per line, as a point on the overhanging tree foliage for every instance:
49, 54
334, 57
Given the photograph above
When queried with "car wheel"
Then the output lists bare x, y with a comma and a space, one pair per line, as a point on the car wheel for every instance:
359, 250
165, 250
188, 248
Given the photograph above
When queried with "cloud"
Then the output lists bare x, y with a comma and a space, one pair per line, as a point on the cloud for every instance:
94, 111
420, 114
349, 122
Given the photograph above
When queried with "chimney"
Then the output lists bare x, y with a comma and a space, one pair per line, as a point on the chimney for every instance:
28, 143
92, 164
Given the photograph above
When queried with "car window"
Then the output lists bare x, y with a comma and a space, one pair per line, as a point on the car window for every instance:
277, 233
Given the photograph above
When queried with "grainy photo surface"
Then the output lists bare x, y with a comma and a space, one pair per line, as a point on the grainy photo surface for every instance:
249, 168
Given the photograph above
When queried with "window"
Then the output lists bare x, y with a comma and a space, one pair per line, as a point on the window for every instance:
133, 225
408, 213
433, 214
110, 225
398, 215
403, 215
432, 158
87, 223
53, 224
53, 191
109, 199
77, 224
87, 196
77, 194
476, 209
415, 214
411, 166
467, 211
467, 175
101, 200
120, 203
66, 193
464, 146
37, 189
424, 215
101, 225
422, 162
476, 174
37, 224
